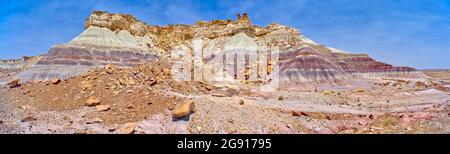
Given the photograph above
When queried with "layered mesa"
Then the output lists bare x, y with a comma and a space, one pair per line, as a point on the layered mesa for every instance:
123, 40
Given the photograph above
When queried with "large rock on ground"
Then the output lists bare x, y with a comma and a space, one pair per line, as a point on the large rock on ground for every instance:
13, 83
127, 128
183, 109
92, 101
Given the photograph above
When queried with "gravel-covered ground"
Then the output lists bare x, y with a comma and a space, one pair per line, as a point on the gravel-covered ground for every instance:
147, 103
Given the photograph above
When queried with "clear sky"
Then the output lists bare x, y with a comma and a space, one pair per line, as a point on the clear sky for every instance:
400, 32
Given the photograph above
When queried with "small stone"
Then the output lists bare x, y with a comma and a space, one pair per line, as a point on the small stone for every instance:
208, 88
360, 90
127, 128
13, 83
281, 98
109, 72
83, 115
85, 75
241, 102
85, 85
100, 108
199, 128
152, 83
25, 107
112, 128
130, 106
55, 81
130, 81
183, 109
109, 66
80, 132
231, 121
92, 101
27, 118
363, 123
295, 113
26, 91
289, 126
219, 95
167, 72
95, 120
327, 92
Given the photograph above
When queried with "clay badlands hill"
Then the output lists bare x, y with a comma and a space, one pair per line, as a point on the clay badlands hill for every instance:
121, 75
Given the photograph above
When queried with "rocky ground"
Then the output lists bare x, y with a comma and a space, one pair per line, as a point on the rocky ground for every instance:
145, 99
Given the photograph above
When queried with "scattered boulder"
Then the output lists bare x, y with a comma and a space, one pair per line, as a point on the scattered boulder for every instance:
80, 131
27, 118
281, 98
363, 123
109, 71
371, 116
26, 107
154, 82
130, 81
289, 126
241, 102
94, 121
295, 113
85, 85
441, 88
360, 90
100, 108
25, 91
13, 83
112, 128
199, 128
209, 88
219, 95
327, 92
109, 66
231, 121
55, 81
127, 128
420, 84
166, 72
130, 106
183, 109
92, 101
121, 82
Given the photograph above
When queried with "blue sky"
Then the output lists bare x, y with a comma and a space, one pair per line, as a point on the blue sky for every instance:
400, 32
